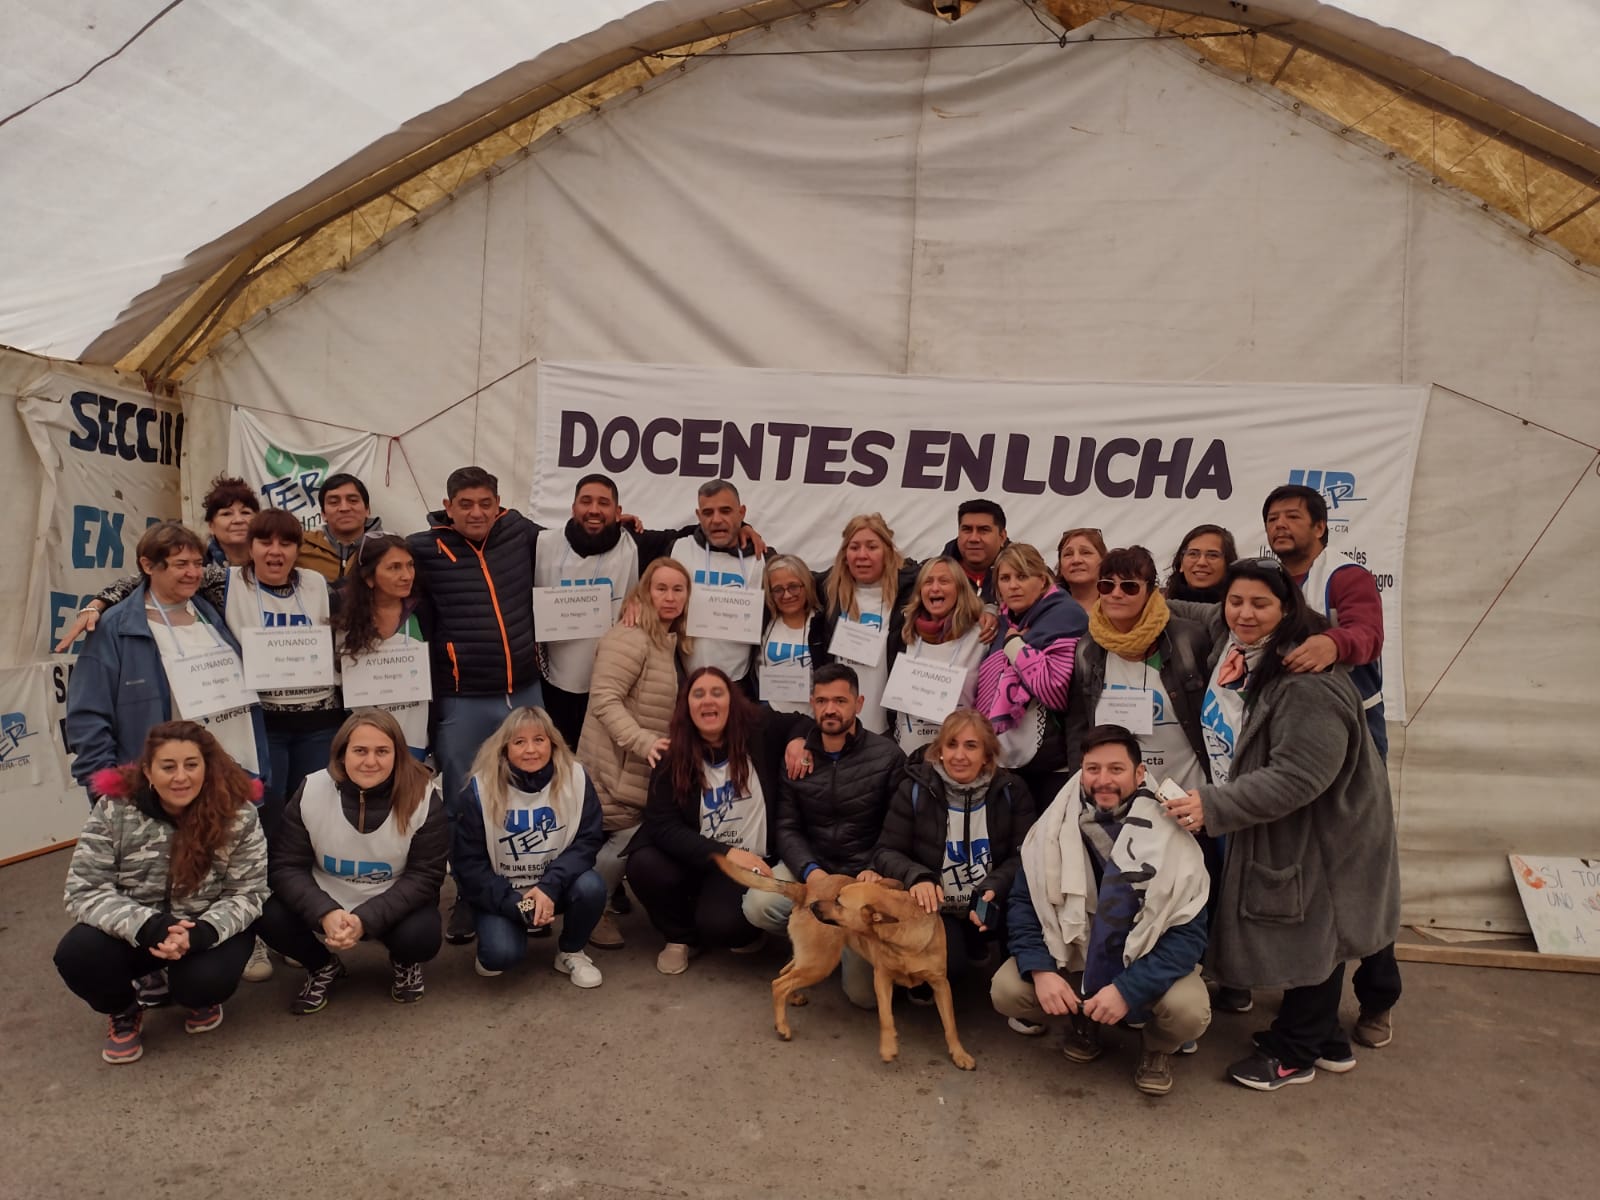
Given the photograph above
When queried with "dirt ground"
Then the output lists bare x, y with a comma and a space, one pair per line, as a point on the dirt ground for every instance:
677, 1087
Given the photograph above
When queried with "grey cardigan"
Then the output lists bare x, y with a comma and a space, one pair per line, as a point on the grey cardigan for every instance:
1312, 874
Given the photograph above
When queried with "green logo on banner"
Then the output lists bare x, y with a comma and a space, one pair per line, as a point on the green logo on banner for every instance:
284, 464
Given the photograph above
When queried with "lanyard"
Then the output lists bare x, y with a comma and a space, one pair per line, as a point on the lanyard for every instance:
177, 642
744, 579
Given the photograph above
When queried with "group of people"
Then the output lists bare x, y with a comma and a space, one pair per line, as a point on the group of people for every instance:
1113, 791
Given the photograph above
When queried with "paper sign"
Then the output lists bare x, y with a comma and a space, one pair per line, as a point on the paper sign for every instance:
786, 682
570, 614
293, 656
1132, 708
395, 673
727, 614
204, 685
857, 643
928, 690
1562, 899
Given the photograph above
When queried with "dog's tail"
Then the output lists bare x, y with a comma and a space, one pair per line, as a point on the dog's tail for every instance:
762, 883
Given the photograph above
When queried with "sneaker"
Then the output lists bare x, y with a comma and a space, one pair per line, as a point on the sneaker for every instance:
259, 967
606, 935
1081, 1041
1025, 1028
1265, 1073
1374, 1030
755, 946
673, 959
1192, 1046
463, 924
620, 903
578, 967
1153, 1075
1233, 1000
477, 965
1338, 1062
407, 986
203, 1020
313, 995
921, 995
151, 990
124, 1036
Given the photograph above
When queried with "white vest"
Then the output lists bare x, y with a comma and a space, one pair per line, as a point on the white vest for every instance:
730, 818
570, 665
251, 607
537, 827
353, 867
1368, 677
719, 568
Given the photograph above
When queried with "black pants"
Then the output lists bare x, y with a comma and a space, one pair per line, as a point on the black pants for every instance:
415, 938
693, 906
966, 947
1307, 1025
567, 710
1377, 981
100, 969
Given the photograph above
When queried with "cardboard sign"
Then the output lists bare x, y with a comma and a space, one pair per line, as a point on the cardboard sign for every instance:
858, 643
395, 673
571, 614
928, 690
1562, 899
204, 685
726, 614
1132, 708
292, 656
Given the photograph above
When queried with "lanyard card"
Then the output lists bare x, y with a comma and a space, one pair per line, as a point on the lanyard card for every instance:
1132, 708
858, 643
206, 684
726, 614
395, 673
571, 614
928, 690
786, 682
292, 656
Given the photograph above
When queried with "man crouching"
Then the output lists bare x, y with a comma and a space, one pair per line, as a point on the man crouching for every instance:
1106, 921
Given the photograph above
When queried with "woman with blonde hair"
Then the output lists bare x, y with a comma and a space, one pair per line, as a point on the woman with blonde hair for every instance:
631, 694
953, 834
524, 833
783, 665
940, 625
1078, 556
1023, 682
360, 855
864, 597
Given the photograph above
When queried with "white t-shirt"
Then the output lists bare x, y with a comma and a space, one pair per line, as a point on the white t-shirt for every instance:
787, 652
252, 607
731, 818
570, 665
233, 729
912, 731
874, 615
720, 568
1166, 749
967, 857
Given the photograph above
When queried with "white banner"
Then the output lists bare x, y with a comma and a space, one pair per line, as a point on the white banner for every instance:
40, 805
288, 473
1142, 462
110, 464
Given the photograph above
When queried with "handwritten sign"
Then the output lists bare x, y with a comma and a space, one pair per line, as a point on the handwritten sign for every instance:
204, 685
1562, 899
294, 656
571, 614
924, 689
726, 614
394, 673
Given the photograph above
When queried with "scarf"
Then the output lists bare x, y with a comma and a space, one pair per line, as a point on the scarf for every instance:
1222, 713
933, 629
1149, 851
1135, 644
589, 545
965, 794
1054, 615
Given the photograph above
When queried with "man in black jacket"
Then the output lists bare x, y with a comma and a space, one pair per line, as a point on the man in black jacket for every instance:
829, 819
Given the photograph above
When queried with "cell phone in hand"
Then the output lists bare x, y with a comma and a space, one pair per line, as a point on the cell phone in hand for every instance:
983, 908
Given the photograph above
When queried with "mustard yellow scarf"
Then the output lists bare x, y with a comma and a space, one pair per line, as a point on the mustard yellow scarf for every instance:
1136, 643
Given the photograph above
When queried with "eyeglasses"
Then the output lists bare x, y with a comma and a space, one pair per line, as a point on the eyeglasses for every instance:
1208, 555
1128, 587
788, 589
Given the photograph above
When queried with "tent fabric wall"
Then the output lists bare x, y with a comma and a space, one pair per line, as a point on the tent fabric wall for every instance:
1106, 212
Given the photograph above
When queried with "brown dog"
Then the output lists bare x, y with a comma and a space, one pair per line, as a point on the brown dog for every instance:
878, 921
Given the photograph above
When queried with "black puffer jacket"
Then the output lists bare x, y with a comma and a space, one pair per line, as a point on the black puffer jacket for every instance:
912, 846
820, 634
1184, 647
480, 600
831, 818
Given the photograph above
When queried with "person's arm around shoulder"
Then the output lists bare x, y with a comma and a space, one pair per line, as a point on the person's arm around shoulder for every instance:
289, 867
1359, 634
92, 896
419, 881
244, 884
477, 881
897, 841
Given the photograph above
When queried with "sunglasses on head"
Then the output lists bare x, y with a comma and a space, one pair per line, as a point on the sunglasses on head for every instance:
1260, 564
1128, 587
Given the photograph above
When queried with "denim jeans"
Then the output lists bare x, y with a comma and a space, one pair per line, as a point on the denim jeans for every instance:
465, 723
502, 942
293, 752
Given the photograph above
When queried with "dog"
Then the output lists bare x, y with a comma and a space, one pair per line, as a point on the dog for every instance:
881, 923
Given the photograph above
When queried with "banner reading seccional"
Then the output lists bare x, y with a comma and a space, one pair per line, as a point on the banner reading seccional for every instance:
110, 463
1142, 462
288, 473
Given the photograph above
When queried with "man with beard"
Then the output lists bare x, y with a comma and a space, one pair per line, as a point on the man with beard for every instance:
1106, 920
829, 820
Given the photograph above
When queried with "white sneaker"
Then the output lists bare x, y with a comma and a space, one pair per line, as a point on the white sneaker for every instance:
578, 967
1025, 1028
260, 966
477, 965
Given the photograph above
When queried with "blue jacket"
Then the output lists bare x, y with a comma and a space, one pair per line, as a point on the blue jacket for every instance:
118, 691
489, 891
1176, 953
